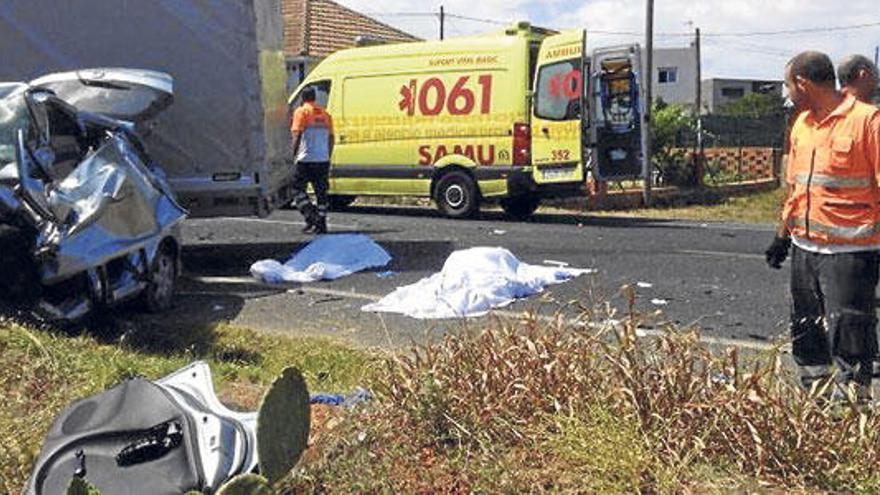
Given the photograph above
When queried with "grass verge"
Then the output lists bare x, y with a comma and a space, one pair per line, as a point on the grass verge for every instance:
759, 207
514, 406
531, 407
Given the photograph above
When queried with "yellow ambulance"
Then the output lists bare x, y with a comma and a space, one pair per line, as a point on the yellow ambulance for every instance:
511, 117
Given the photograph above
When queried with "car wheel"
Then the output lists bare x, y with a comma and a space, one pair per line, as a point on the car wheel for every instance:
341, 202
456, 195
520, 207
21, 280
159, 293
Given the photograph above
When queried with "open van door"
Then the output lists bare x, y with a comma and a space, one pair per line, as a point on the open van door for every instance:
558, 116
618, 114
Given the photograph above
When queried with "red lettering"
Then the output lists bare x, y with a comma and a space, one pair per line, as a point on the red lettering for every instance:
461, 99
486, 101
440, 153
424, 155
439, 97
486, 160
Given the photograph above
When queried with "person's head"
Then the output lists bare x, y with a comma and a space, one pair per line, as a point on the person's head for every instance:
858, 76
308, 94
808, 77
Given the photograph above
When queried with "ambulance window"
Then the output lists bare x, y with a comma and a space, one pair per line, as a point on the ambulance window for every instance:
558, 95
322, 94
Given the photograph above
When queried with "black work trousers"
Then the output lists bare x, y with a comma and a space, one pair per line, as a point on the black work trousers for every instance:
318, 175
833, 316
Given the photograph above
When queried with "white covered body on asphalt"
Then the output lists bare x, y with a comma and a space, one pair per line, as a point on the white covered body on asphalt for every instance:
328, 257
471, 283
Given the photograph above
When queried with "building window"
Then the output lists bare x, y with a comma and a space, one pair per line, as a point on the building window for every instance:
668, 75
733, 92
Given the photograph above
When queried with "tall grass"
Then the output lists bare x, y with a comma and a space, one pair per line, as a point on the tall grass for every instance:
530, 406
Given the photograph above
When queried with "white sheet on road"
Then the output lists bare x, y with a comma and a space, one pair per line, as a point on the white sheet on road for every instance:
327, 257
472, 282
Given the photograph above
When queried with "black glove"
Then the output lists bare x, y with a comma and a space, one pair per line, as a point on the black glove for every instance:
777, 252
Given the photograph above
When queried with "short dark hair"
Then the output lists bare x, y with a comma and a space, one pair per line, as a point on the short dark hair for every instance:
815, 67
849, 68
308, 94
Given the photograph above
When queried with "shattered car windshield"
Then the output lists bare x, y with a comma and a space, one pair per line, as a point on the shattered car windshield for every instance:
13, 116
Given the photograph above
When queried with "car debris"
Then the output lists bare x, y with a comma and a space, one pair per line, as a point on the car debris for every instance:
173, 435
86, 217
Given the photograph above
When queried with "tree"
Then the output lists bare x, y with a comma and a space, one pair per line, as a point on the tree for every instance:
754, 105
668, 123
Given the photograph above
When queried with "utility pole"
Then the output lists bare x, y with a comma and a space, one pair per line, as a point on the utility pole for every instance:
442, 21
698, 145
649, 80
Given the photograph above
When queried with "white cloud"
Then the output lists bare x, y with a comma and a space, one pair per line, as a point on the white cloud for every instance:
742, 56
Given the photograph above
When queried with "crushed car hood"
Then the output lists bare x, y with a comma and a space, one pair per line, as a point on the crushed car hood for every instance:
133, 95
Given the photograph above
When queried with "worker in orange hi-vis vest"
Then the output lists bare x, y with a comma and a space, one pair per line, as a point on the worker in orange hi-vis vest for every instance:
312, 133
858, 77
831, 216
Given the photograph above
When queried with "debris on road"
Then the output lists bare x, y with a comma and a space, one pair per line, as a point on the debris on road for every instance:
472, 282
499, 232
561, 264
645, 285
386, 274
359, 395
328, 257
659, 302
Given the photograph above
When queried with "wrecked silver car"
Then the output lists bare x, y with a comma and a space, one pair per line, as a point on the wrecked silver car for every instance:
86, 217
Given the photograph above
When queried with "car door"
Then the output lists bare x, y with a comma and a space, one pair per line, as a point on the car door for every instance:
558, 118
618, 120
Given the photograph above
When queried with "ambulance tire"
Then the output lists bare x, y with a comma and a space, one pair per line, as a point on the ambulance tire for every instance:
340, 202
456, 195
520, 207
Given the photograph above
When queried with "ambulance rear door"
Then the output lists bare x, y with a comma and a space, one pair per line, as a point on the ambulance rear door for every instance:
618, 114
557, 110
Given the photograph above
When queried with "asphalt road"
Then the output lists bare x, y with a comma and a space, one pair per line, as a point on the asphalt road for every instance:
709, 274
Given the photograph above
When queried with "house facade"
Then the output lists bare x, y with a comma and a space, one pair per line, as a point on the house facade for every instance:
314, 29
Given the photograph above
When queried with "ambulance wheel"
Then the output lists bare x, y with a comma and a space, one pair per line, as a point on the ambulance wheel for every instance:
159, 294
341, 202
456, 195
520, 207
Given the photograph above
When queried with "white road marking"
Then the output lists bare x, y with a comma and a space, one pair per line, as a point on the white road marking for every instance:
649, 332
695, 252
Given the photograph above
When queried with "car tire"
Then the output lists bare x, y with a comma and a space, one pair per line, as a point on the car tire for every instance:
21, 280
340, 202
456, 195
158, 296
520, 207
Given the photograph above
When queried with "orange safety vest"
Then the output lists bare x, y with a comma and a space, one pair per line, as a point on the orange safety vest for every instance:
833, 169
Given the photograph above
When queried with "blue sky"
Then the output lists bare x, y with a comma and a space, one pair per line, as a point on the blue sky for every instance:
745, 55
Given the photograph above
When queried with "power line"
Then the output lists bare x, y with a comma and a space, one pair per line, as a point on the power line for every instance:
732, 34
478, 19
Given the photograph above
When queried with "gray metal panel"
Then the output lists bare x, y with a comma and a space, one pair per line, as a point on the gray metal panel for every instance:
222, 115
